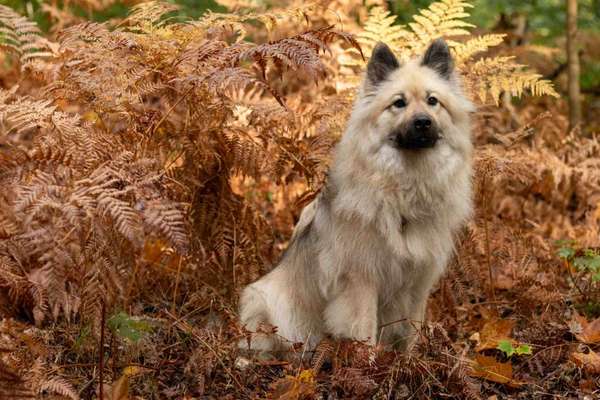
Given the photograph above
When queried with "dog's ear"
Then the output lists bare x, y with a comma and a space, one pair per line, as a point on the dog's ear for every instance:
382, 62
438, 58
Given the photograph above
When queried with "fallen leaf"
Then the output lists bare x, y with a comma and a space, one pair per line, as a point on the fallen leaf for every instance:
590, 362
298, 387
118, 390
492, 370
584, 331
493, 332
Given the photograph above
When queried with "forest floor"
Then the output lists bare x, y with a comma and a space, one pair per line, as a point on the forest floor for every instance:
144, 184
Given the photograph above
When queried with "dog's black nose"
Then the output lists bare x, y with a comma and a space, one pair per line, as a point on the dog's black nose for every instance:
420, 133
422, 123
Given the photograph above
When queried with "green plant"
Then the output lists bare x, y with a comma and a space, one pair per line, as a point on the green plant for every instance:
583, 266
127, 327
584, 260
507, 348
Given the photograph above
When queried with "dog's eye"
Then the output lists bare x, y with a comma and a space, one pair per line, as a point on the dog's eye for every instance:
400, 103
432, 101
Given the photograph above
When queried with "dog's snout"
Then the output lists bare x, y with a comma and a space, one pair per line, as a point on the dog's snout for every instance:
422, 123
420, 133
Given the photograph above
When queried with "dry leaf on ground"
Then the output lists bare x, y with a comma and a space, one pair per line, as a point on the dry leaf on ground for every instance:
584, 331
492, 370
298, 387
590, 362
493, 332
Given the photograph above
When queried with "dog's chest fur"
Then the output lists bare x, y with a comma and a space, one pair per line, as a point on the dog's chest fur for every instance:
396, 232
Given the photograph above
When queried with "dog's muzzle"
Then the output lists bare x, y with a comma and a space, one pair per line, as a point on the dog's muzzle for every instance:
420, 134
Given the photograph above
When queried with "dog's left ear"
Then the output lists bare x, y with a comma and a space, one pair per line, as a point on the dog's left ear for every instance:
381, 64
438, 58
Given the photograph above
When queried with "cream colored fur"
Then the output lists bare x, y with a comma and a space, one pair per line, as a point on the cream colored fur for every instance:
366, 253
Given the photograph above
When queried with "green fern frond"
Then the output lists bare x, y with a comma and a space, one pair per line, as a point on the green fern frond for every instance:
23, 37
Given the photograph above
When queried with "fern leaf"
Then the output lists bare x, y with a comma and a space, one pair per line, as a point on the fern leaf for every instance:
23, 37
380, 27
58, 385
463, 52
127, 221
169, 221
150, 15
485, 79
441, 19
490, 77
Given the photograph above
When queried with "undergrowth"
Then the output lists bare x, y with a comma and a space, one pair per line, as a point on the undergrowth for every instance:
153, 166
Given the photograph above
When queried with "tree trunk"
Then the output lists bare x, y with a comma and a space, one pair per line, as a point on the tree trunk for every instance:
573, 65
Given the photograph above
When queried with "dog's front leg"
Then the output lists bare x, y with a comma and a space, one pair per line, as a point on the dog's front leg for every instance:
401, 320
352, 313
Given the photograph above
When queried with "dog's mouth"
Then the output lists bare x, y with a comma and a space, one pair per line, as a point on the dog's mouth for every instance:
413, 140
417, 142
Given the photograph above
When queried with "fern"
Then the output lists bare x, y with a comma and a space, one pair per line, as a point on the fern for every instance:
57, 385
150, 15
486, 79
490, 77
237, 21
441, 19
463, 52
23, 37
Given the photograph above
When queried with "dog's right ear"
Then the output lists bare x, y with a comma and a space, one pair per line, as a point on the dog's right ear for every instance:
382, 62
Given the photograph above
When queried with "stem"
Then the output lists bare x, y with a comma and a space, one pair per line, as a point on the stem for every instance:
573, 68
101, 359
176, 286
487, 241
568, 265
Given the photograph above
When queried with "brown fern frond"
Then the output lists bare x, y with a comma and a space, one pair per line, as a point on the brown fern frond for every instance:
127, 220
57, 385
323, 353
169, 221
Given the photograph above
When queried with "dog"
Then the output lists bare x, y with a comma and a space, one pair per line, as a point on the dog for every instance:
368, 249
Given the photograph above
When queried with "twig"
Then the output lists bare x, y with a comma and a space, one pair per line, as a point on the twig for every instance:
176, 286
101, 359
585, 297
487, 238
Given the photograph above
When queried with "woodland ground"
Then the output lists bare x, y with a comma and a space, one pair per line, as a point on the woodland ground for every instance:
150, 169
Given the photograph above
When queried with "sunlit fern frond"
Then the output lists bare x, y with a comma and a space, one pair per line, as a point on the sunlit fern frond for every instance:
150, 15
442, 19
463, 52
485, 79
22, 37
234, 5
379, 27
488, 78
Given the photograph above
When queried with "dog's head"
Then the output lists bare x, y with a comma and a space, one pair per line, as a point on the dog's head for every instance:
414, 109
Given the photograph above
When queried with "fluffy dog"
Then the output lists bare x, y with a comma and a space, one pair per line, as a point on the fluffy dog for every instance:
367, 251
